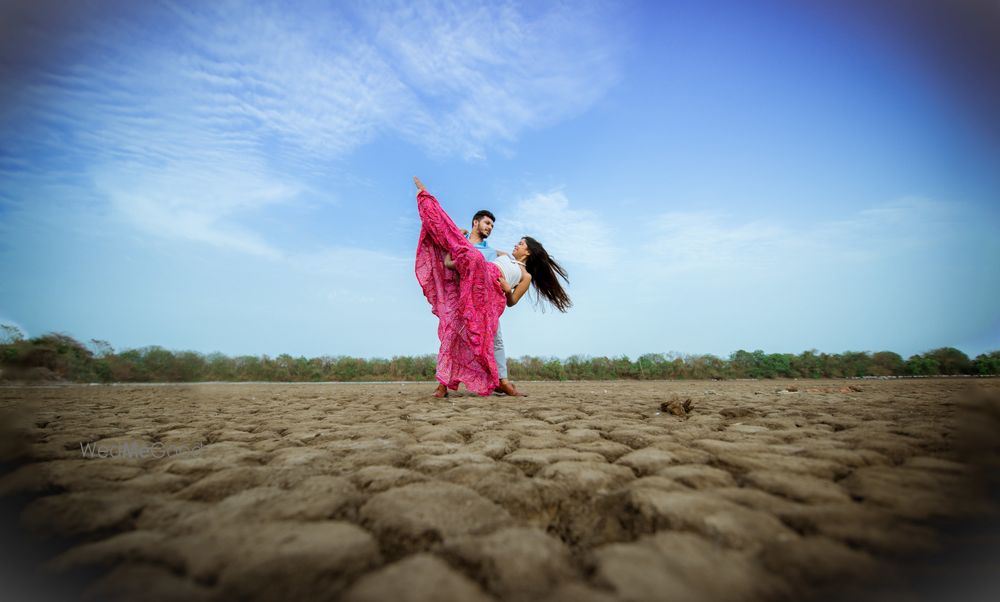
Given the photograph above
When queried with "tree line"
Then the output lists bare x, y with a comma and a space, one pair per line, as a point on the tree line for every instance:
58, 357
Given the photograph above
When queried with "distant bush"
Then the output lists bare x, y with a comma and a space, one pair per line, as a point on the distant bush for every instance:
60, 357
987, 364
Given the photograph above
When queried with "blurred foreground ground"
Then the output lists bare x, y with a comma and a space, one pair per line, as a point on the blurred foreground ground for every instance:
761, 490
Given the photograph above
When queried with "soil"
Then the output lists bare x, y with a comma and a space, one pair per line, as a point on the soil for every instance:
732, 490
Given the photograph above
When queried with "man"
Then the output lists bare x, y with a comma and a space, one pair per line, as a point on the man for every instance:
482, 226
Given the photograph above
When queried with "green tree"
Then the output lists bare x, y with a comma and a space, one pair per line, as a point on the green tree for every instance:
577, 367
59, 354
624, 368
806, 365
220, 367
855, 363
704, 366
777, 365
887, 363
101, 348
10, 334
189, 366
742, 364
919, 365
950, 361
653, 366
988, 364
831, 366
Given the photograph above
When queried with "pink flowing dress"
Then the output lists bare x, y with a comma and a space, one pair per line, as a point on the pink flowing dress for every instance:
468, 301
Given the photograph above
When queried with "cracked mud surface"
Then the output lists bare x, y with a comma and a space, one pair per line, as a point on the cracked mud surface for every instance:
766, 490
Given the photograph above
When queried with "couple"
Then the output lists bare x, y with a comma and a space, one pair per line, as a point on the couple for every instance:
468, 292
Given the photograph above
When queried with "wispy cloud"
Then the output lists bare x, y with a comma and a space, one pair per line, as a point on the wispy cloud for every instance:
350, 275
699, 241
193, 203
189, 117
485, 72
572, 235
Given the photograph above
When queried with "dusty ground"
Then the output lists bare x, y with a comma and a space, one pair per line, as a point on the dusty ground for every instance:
763, 490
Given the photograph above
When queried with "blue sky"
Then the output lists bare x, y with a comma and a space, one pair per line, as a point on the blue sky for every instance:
235, 176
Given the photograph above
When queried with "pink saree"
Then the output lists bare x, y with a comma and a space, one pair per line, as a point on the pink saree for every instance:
467, 301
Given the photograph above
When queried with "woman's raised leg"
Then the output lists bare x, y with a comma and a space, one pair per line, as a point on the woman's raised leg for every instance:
439, 226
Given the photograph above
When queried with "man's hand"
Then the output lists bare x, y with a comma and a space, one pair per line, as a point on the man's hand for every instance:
420, 185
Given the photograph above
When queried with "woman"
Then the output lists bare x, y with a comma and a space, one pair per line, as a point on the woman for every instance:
469, 299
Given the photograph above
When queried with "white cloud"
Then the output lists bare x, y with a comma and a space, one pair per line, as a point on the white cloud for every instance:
485, 72
699, 241
571, 235
346, 275
903, 225
344, 262
193, 202
192, 117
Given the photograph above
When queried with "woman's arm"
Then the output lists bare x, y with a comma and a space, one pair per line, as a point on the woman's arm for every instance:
449, 262
522, 287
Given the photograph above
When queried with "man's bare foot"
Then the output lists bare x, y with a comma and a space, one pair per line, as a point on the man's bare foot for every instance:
441, 391
508, 388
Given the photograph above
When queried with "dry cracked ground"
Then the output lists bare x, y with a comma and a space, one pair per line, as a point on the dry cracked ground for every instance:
589, 491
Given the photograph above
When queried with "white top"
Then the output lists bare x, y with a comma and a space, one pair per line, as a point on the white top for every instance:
510, 268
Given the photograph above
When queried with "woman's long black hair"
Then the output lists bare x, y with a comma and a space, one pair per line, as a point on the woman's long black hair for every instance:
543, 270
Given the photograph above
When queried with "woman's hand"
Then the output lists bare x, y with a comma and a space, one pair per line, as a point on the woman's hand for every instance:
420, 185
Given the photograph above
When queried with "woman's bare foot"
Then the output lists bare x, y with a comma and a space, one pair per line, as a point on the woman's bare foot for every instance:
508, 388
441, 391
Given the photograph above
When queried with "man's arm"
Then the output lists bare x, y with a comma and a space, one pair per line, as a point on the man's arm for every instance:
448, 263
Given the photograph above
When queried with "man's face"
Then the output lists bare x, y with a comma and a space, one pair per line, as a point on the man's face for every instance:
483, 226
